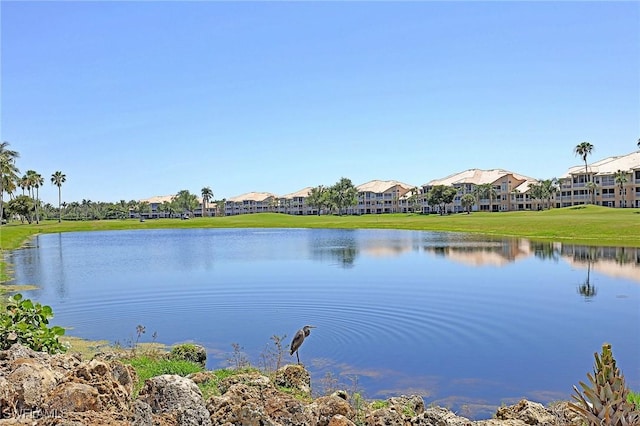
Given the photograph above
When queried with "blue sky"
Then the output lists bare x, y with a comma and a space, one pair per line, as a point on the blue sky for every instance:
136, 99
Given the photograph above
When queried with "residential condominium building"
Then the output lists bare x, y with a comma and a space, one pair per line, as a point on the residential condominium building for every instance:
510, 190
295, 203
611, 182
251, 202
382, 196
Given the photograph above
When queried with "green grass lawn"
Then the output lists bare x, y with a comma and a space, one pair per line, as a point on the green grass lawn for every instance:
579, 225
588, 225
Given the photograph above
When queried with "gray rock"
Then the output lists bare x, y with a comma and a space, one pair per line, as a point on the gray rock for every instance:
439, 416
142, 414
530, 413
173, 394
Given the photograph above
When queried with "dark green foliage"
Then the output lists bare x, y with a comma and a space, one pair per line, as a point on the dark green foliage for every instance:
26, 322
604, 400
190, 352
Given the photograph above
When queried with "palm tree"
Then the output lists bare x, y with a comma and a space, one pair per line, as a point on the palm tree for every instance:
8, 171
550, 188
638, 143
186, 201
32, 181
141, 208
58, 178
591, 188
207, 194
38, 181
620, 178
583, 149
484, 191
467, 201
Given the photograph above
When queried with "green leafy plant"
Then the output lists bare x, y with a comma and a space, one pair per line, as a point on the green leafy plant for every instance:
634, 398
604, 400
377, 404
26, 322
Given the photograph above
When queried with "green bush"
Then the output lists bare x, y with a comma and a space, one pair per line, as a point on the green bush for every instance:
190, 352
26, 322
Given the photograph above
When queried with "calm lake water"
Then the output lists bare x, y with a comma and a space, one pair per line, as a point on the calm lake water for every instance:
468, 323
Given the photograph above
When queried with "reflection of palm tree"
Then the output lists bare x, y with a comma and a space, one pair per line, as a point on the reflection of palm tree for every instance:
544, 250
586, 289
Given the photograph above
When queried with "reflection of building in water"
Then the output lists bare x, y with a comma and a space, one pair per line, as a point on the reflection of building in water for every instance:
619, 262
390, 247
498, 253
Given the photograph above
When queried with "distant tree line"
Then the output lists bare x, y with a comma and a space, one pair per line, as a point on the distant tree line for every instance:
334, 199
27, 206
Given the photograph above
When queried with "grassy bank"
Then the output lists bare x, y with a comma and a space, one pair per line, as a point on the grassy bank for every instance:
580, 225
590, 225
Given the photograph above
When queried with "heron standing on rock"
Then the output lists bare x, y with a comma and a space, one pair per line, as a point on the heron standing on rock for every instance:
299, 338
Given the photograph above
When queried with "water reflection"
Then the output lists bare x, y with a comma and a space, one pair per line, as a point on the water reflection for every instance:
617, 262
450, 316
344, 250
480, 253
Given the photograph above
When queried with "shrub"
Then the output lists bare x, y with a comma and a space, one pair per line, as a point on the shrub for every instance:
190, 352
26, 322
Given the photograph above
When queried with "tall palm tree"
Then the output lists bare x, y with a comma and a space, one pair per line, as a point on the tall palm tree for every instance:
58, 178
467, 201
550, 188
32, 181
591, 189
207, 195
583, 149
38, 181
620, 178
8, 171
484, 191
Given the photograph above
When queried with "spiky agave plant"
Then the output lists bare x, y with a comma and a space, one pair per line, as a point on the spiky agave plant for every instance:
604, 400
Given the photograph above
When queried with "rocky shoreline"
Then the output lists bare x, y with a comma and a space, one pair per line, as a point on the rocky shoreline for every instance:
41, 389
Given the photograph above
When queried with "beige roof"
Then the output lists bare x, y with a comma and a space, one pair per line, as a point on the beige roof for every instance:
158, 199
251, 196
476, 177
304, 192
380, 186
609, 165
524, 186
